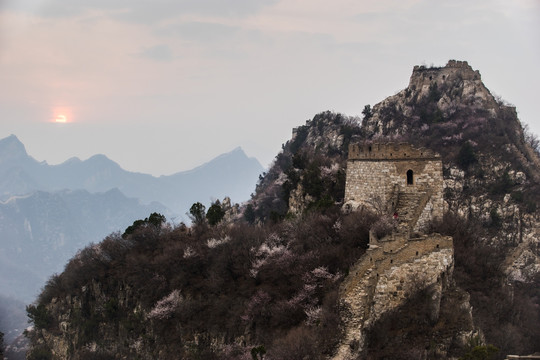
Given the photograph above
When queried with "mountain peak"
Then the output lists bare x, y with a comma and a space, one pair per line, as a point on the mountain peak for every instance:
456, 75
11, 142
237, 152
102, 160
11, 149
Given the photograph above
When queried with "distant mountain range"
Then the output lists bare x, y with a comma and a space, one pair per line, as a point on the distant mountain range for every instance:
232, 174
48, 212
40, 231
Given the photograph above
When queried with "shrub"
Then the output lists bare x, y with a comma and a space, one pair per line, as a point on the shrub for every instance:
478, 351
517, 196
383, 227
258, 350
495, 219
466, 156
39, 353
502, 185
299, 343
531, 207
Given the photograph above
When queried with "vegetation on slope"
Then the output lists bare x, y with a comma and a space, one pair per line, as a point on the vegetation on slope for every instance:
311, 167
175, 290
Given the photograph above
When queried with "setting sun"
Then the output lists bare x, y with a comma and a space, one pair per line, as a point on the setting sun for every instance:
60, 119
61, 115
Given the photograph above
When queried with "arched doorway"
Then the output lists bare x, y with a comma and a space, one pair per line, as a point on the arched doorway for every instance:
410, 178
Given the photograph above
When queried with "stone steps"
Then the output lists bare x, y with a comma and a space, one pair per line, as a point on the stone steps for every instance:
407, 206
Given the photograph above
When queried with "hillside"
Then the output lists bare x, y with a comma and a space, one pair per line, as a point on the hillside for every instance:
273, 283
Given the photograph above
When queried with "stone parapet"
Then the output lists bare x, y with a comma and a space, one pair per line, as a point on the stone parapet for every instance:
389, 151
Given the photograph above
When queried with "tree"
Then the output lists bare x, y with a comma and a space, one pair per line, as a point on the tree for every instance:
249, 214
367, 112
215, 213
155, 220
531, 139
197, 213
477, 351
39, 315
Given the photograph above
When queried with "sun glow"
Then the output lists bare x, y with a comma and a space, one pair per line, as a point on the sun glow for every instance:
61, 115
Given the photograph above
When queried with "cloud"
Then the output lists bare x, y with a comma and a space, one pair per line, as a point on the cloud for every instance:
140, 11
200, 31
157, 52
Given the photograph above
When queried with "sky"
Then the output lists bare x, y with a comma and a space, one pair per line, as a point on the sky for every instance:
165, 85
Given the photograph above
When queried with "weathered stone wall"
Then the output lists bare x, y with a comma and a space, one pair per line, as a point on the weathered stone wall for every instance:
388, 274
422, 75
374, 170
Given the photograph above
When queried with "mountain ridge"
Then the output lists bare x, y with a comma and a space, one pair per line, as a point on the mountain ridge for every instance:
99, 173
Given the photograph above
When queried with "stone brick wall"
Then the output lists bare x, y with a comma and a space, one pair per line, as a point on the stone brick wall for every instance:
373, 171
391, 271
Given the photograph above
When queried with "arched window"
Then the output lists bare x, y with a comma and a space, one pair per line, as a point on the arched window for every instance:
410, 179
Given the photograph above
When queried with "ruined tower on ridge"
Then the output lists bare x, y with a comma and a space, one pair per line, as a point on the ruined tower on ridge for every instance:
407, 182
396, 178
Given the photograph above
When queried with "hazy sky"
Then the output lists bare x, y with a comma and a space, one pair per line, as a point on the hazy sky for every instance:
161, 86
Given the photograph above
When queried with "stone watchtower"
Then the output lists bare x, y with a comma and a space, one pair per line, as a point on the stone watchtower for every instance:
402, 180
396, 178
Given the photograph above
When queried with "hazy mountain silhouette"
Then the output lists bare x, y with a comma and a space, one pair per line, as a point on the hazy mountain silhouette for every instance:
47, 212
232, 174
42, 230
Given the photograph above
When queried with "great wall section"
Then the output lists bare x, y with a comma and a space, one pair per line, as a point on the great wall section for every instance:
405, 183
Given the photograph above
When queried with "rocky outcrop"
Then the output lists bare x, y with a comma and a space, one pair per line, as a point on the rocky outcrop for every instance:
514, 222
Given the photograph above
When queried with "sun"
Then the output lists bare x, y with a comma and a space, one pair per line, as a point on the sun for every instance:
61, 115
60, 118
